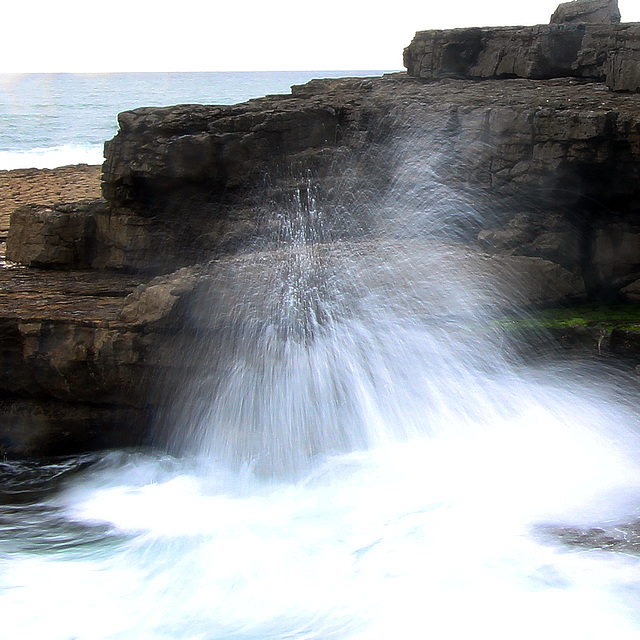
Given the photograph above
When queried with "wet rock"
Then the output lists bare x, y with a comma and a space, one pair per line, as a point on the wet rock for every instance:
625, 342
61, 339
162, 301
632, 291
571, 147
74, 372
621, 538
615, 255
545, 235
35, 429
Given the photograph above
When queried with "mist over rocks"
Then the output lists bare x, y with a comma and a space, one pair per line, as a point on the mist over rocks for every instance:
524, 140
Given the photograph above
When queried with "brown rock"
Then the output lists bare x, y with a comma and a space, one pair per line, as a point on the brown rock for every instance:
160, 302
632, 291
545, 235
33, 429
45, 187
615, 254
59, 237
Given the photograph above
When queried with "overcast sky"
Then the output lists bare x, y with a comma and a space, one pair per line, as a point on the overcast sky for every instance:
241, 35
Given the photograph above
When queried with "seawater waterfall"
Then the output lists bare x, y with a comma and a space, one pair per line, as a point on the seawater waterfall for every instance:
358, 455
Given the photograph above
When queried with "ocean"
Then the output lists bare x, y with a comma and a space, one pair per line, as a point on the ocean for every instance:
54, 119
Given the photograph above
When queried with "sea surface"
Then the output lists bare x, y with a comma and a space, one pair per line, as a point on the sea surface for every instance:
54, 119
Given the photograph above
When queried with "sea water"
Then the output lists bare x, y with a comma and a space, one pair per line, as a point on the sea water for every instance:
361, 458
49, 120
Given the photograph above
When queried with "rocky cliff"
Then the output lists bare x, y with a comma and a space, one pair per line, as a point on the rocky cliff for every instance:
519, 145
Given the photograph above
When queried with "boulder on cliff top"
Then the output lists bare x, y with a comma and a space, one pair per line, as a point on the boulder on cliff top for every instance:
57, 237
593, 11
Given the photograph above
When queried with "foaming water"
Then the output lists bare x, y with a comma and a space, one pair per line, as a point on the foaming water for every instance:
51, 157
434, 535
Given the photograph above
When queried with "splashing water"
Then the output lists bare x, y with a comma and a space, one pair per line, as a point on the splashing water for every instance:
359, 460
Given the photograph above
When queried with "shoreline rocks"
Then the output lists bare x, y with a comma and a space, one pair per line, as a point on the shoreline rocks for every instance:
587, 11
601, 53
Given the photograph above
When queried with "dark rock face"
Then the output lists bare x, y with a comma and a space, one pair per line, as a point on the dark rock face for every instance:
581, 11
69, 371
36, 428
199, 172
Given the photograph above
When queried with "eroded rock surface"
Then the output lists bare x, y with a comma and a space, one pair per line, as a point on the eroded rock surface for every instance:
544, 168
71, 374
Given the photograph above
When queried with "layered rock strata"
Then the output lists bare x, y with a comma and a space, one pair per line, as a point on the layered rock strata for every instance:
71, 375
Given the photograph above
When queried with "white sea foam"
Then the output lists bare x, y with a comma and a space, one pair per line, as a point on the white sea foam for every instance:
427, 538
51, 157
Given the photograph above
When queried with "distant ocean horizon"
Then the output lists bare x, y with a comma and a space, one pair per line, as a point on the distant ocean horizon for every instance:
53, 119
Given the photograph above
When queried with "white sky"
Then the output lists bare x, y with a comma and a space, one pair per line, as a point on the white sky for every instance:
245, 35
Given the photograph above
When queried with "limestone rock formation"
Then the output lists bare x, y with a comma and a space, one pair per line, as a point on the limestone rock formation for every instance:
59, 237
556, 159
83, 235
243, 288
68, 370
